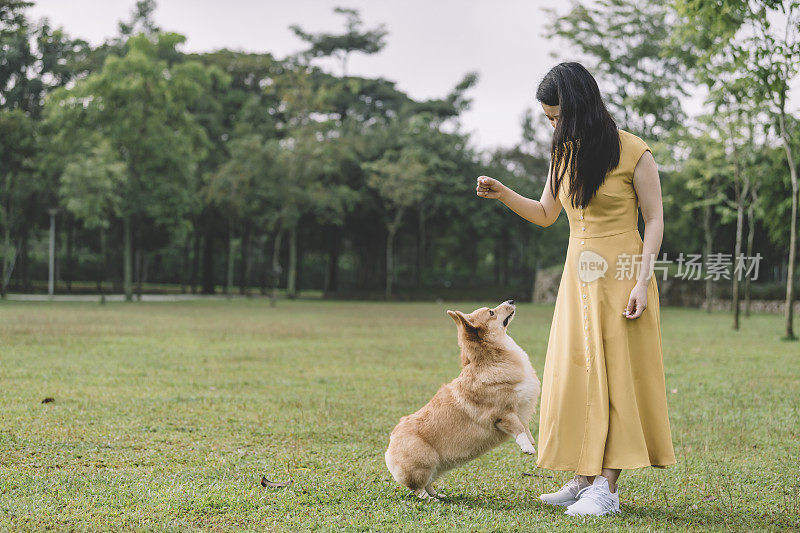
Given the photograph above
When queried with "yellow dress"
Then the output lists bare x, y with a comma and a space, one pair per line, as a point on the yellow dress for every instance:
604, 399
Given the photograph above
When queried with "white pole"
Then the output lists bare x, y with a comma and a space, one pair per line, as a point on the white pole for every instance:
51, 279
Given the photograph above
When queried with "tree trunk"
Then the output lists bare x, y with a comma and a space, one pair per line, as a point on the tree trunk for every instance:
707, 252
185, 262
393, 227
263, 272
275, 273
209, 283
301, 252
139, 266
371, 259
421, 244
741, 192
246, 265
103, 267
51, 264
6, 274
751, 231
229, 270
6, 236
736, 271
789, 312
70, 274
24, 263
389, 260
127, 259
332, 271
291, 274
195, 261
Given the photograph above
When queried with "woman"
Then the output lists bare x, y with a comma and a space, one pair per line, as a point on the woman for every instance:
604, 405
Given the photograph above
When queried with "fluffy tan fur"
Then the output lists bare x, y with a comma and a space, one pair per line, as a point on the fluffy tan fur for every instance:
493, 398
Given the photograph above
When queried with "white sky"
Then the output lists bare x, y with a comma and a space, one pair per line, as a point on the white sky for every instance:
430, 46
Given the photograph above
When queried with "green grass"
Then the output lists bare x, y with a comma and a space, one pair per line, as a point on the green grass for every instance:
166, 415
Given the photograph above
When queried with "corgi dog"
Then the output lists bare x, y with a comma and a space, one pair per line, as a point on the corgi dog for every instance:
493, 398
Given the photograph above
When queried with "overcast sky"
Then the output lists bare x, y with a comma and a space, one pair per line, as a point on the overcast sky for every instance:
431, 44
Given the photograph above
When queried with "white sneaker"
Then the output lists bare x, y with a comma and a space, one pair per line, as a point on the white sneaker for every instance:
596, 499
566, 495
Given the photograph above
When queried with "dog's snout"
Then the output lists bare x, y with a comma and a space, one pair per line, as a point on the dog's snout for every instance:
511, 302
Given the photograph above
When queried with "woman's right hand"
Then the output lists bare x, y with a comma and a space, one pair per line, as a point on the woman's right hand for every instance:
490, 188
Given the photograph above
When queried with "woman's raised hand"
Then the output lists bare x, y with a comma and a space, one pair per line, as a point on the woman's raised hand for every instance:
490, 188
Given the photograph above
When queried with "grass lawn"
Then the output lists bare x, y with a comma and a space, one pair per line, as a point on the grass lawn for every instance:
167, 415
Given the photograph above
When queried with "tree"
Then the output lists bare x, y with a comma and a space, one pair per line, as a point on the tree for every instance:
775, 58
91, 189
36, 59
16, 150
244, 188
342, 45
405, 174
745, 33
141, 21
626, 45
140, 105
91, 186
400, 177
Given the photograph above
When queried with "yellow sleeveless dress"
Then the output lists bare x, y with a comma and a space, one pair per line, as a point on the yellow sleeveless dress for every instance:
603, 393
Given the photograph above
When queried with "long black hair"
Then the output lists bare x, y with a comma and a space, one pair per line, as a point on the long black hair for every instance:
586, 139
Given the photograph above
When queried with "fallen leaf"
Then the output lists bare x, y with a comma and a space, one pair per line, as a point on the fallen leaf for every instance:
48, 400
536, 475
275, 484
709, 499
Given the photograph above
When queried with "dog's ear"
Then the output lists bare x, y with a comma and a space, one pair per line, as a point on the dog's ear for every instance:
460, 318
454, 316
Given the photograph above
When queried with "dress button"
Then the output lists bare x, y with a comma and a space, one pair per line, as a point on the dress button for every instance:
586, 307
584, 296
582, 242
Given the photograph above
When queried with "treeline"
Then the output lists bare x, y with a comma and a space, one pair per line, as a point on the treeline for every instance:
732, 185
230, 168
252, 172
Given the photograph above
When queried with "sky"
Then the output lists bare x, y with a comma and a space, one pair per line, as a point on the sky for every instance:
431, 44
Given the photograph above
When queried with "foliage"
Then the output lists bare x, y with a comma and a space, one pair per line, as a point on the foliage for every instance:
92, 186
353, 40
139, 105
626, 45
304, 171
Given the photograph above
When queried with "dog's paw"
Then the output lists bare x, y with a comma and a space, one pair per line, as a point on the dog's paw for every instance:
425, 495
528, 449
525, 444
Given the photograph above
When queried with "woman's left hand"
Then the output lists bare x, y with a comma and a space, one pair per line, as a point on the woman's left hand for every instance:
637, 302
